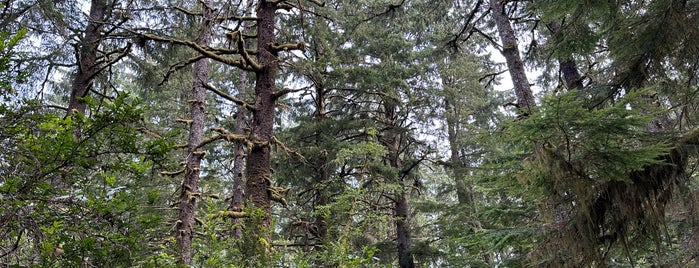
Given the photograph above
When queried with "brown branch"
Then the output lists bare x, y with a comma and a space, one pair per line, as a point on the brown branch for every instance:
285, 91
317, 3
234, 17
122, 52
187, 11
181, 120
290, 46
180, 65
253, 65
288, 151
467, 28
206, 51
172, 173
222, 94
229, 214
223, 134
146, 131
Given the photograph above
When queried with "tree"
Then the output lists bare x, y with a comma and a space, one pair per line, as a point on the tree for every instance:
190, 185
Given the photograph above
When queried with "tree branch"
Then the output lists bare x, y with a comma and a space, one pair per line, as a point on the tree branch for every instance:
222, 94
203, 50
244, 52
290, 46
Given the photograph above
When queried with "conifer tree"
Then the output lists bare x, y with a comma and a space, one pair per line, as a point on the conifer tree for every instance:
190, 185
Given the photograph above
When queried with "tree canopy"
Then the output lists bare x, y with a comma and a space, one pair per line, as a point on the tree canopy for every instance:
390, 133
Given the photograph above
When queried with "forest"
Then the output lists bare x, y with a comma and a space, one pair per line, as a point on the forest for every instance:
365, 133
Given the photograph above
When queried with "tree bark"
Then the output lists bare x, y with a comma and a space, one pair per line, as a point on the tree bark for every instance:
568, 67
401, 207
321, 172
238, 197
258, 168
463, 189
510, 50
190, 185
401, 212
87, 61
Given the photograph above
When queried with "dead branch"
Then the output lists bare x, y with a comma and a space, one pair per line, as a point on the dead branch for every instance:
172, 173
222, 94
229, 214
206, 51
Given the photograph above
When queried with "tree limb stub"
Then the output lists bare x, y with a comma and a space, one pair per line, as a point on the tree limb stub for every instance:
229, 214
301, 45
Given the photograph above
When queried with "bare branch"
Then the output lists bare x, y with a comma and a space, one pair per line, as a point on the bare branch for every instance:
222, 94
285, 91
172, 173
179, 66
122, 53
229, 214
317, 3
206, 51
187, 11
244, 52
290, 46
223, 134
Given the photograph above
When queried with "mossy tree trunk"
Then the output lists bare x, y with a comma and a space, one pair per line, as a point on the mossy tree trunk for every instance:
258, 167
190, 185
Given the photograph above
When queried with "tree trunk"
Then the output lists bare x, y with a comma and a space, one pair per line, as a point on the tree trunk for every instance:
463, 189
321, 172
87, 61
401, 208
401, 211
258, 168
190, 185
569, 69
510, 50
238, 196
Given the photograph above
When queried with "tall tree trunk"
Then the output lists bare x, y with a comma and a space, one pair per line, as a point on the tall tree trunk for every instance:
403, 239
321, 172
87, 61
463, 189
238, 197
510, 50
401, 207
258, 166
190, 185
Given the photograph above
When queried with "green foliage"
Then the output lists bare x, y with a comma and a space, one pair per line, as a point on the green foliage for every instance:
8, 75
88, 199
574, 143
